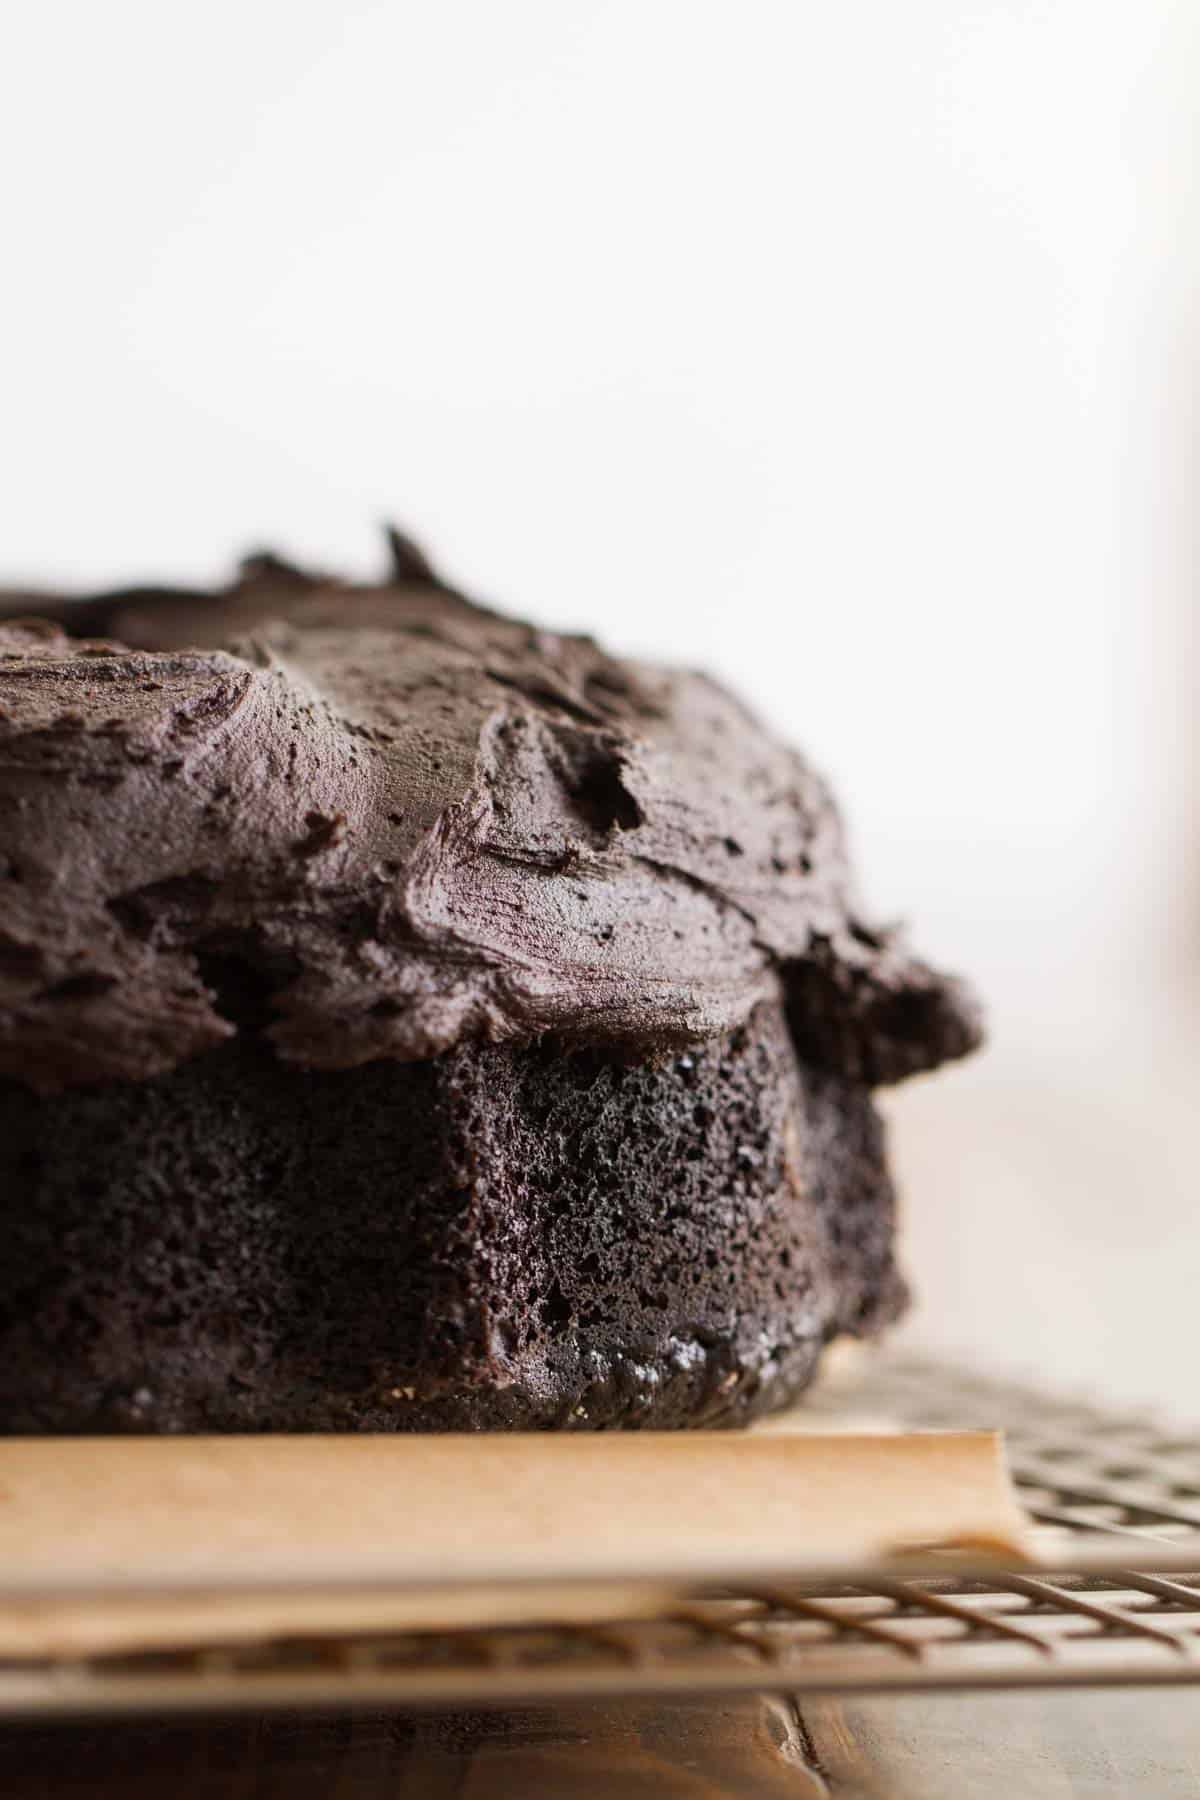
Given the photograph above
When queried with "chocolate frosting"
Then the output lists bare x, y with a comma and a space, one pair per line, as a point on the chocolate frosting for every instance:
381, 821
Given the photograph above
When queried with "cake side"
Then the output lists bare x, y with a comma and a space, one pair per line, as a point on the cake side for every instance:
502, 1237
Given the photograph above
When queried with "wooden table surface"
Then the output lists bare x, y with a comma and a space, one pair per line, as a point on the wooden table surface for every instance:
1060, 1746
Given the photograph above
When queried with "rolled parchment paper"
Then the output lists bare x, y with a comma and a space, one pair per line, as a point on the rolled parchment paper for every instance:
121, 1543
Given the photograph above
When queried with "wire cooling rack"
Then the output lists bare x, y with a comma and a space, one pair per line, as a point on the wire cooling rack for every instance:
1090, 1481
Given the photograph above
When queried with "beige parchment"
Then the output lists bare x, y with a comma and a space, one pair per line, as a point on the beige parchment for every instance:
137, 1542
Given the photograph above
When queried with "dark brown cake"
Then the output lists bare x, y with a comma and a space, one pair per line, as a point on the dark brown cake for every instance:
413, 1019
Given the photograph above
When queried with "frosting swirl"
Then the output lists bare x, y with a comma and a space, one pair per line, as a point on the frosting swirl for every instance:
381, 821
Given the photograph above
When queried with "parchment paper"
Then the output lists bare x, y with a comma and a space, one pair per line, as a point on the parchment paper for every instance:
141, 1542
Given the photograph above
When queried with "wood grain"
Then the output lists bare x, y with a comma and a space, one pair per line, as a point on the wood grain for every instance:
1116, 1744
709, 1749
1112, 1745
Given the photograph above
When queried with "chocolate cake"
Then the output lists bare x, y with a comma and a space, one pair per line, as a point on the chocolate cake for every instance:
414, 1019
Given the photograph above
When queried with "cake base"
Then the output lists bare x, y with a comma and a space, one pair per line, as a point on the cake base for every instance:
500, 1238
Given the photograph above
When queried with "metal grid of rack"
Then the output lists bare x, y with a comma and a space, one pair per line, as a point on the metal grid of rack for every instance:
1087, 1478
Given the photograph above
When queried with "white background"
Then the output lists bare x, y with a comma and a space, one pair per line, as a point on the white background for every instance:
845, 349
